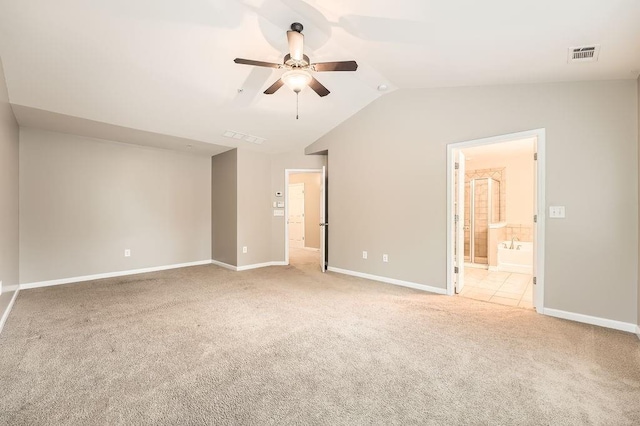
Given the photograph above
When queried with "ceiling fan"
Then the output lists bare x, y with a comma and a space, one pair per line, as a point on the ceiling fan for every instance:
298, 66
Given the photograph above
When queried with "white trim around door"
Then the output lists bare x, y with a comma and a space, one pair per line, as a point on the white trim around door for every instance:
538, 270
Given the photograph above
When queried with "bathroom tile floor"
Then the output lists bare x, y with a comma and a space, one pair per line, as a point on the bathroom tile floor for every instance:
505, 288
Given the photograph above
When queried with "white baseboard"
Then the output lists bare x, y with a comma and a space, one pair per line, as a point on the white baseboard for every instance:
224, 265
638, 331
260, 265
248, 267
111, 274
393, 281
588, 319
5, 315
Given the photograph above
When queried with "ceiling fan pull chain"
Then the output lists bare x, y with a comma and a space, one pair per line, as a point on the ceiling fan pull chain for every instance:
297, 97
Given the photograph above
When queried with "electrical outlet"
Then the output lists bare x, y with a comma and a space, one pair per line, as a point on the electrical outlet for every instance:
385, 257
127, 253
244, 249
364, 254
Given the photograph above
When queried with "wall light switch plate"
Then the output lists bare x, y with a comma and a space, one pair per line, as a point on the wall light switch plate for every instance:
556, 212
281, 204
278, 212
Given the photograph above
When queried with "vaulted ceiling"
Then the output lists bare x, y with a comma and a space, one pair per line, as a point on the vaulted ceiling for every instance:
166, 67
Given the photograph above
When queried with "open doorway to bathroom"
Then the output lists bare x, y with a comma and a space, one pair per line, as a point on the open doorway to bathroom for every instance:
303, 216
495, 251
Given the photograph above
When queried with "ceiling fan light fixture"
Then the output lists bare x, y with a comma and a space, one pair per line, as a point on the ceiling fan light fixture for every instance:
296, 80
298, 66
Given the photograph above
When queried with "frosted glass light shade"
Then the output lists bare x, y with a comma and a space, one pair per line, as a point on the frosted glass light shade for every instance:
296, 80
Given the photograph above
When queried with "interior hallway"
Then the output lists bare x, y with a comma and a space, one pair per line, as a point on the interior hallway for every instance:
303, 257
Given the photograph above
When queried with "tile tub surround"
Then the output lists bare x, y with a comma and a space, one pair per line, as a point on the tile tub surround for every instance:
504, 288
521, 231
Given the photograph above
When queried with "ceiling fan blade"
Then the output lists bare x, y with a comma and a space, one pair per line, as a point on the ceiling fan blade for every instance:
318, 87
335, 66
274, 87
296, 44
256, 63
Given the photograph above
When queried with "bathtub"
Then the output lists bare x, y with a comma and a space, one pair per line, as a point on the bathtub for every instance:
519, 259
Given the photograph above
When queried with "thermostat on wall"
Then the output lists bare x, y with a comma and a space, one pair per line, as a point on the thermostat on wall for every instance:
278, 193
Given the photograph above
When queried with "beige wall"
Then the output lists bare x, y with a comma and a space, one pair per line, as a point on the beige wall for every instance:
259, 176
311, 183
254, 207
224, 207
388, 184
638, 289
9, 240
84, 201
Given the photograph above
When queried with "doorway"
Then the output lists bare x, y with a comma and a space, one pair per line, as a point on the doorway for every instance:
296, 217
305, 213
496, 219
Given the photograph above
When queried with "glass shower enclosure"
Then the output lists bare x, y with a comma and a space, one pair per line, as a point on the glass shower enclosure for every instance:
482, 208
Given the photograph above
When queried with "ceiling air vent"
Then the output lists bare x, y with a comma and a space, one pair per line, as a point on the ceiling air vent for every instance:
584, 53
241, 136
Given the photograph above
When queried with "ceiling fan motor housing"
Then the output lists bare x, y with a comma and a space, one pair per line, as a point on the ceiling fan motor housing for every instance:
296, 64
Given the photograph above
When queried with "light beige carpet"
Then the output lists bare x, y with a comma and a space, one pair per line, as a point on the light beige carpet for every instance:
289, 345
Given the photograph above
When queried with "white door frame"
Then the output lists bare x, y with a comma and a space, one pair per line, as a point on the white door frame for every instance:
458, 228
538, 267
288, 172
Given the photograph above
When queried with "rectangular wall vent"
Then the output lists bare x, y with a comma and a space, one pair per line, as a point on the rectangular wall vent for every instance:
241, 136
583, 54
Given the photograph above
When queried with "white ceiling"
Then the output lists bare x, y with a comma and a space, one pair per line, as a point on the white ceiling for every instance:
167, 67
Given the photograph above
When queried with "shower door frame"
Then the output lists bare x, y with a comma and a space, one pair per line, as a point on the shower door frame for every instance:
472, 216
539, 205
